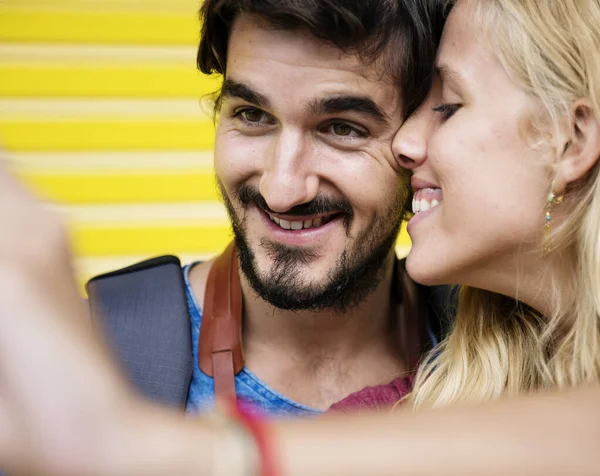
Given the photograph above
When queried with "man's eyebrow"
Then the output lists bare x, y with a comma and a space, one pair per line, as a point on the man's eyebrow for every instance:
359, 104
235, 89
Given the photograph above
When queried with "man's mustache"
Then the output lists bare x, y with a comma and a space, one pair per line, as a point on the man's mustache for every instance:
320, 205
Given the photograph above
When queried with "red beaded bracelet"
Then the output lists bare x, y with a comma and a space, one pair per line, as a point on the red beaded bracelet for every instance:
260, 431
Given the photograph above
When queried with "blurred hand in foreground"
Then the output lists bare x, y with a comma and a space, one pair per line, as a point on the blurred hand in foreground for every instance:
60, 395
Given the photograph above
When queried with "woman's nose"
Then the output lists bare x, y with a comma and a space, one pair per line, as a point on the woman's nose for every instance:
410, 143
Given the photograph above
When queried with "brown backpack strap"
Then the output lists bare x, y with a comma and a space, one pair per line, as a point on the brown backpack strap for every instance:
220, 343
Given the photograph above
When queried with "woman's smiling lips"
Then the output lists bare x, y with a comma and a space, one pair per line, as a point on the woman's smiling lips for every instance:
427, 197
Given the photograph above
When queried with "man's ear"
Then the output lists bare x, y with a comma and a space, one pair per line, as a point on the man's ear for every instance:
582, 151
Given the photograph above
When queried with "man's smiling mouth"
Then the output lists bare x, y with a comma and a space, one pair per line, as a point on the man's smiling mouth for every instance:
313, 215
301, 224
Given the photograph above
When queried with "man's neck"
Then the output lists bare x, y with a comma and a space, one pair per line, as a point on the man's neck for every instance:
319, 357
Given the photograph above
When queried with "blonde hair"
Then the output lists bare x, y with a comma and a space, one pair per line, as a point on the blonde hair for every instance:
499, 346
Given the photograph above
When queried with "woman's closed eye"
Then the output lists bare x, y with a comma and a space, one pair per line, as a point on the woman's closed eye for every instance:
447, 110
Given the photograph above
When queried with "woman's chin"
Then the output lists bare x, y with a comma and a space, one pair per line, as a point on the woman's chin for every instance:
425, 270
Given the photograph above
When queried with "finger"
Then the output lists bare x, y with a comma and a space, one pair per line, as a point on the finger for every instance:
13, 194
5, 166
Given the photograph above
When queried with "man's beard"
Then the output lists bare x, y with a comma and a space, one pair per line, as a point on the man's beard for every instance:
355, 275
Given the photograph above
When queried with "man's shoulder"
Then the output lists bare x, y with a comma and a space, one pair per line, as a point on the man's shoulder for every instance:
197, 277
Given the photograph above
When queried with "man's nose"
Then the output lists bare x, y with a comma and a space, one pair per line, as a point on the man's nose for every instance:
289, 179
410, 143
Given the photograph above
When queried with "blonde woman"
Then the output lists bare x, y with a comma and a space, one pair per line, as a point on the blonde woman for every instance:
510, 155
508, 146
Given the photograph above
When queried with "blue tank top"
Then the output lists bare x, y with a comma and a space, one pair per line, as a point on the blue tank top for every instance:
248, 386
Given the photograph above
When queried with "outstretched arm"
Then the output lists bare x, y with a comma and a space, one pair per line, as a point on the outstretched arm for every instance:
543, 434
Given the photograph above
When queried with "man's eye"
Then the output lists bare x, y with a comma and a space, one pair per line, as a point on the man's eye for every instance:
252, 115
342, 129
345, 130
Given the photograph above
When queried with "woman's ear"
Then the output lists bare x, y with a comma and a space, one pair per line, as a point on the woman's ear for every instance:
582, 150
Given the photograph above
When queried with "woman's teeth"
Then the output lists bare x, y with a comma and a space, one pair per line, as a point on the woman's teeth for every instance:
426, 199
423, 205
299, 225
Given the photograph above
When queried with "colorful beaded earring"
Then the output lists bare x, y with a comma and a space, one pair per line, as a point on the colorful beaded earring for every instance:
552, 200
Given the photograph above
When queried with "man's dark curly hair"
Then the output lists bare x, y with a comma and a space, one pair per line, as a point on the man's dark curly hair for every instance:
402, 34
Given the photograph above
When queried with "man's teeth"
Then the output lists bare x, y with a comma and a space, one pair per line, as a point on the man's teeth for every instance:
299, 225
423, 204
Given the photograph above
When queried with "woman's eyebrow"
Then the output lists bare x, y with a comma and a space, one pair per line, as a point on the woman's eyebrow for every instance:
446, 73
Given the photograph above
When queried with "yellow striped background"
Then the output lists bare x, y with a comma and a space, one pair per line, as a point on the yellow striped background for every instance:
103, 112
